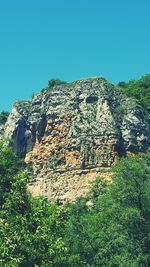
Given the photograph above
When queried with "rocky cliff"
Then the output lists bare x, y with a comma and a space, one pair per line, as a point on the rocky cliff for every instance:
73, 132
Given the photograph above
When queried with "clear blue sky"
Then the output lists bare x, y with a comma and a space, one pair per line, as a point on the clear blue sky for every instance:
70, 39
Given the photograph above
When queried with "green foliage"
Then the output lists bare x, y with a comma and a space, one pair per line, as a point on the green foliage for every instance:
9, 167
99, 187
114, 231
52, 83
139, 89
122, 84
3, 117
131, 181
31, 229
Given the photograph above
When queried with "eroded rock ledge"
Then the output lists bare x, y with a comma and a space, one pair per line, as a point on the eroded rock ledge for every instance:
74, 132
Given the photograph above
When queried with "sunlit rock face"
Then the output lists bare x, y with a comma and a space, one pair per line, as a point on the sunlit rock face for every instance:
75, 132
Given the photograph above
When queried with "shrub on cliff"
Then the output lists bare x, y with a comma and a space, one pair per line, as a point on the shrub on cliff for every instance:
3, 117
52, 83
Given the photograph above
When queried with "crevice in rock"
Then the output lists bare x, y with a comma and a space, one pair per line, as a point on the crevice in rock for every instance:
91, 99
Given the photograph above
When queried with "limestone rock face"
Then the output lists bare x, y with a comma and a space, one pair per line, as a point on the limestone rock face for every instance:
74, 132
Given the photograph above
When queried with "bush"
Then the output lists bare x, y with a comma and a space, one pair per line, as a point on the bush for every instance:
3, 117
53, 82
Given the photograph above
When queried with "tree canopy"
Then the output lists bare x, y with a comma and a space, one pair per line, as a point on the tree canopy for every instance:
113, 231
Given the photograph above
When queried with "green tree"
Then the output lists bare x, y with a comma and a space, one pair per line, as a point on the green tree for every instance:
31, 229
10, 165
116, 231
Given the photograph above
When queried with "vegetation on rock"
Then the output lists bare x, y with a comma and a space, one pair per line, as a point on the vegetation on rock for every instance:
3, 117
140, 90
52, 83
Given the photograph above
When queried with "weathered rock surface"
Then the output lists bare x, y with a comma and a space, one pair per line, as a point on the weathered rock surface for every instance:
74, 132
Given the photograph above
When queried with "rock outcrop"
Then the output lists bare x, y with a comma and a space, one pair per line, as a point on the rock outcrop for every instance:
73, 132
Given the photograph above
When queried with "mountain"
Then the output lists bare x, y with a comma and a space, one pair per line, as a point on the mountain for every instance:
73, 132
